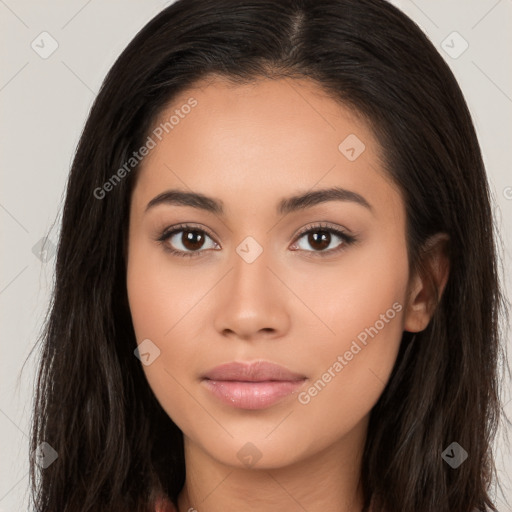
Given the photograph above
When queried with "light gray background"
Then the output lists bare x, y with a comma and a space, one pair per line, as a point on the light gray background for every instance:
44, 103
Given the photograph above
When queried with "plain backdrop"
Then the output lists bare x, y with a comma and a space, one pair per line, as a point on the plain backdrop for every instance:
45, 99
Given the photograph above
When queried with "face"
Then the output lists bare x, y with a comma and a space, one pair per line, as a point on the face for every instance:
317, 286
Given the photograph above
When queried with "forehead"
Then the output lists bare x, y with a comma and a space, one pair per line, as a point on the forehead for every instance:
255, 142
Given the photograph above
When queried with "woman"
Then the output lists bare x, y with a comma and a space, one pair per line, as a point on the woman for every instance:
276, 283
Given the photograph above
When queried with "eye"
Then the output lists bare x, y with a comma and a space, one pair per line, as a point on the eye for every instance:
320, 237
188, 239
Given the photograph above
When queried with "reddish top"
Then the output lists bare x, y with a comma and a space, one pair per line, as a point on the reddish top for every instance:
164, 505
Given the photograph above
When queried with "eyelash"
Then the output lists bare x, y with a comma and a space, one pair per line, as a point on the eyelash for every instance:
346, 238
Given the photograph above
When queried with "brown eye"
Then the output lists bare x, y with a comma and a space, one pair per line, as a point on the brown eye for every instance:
192, 240
319, 238
187, 241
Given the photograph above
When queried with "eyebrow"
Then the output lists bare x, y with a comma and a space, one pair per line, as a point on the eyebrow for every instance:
285, 206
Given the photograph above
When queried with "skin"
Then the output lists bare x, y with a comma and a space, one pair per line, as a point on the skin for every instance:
251, 146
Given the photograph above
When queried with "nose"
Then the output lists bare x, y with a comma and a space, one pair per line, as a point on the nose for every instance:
253, 299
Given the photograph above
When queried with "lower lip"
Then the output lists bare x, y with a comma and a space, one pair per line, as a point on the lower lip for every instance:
252, 395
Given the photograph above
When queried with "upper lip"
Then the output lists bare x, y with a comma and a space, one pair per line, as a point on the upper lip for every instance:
258, 371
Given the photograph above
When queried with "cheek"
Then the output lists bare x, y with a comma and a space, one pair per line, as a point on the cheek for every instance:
362, 303
351, 296
159, 292
163, 299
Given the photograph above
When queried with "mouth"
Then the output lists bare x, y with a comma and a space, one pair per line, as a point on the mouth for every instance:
256, 385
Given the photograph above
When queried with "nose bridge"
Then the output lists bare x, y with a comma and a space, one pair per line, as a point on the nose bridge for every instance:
251, 261
253, 299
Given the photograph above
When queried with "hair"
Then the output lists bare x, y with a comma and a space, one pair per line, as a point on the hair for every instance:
117, 448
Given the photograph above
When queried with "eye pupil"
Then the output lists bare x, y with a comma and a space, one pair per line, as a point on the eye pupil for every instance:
192, 240
324, 237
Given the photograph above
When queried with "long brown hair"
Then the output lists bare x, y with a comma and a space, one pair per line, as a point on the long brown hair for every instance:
117, 448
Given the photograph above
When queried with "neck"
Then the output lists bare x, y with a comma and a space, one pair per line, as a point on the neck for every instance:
328, 481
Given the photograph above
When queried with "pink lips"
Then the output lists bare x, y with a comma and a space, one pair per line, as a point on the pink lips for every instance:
252, 385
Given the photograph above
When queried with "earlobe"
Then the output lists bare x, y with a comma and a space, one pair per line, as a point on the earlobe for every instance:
427, 286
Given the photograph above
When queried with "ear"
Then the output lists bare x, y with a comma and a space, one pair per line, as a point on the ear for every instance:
427, 286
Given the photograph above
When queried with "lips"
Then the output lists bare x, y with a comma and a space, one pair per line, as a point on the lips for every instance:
259, 371
256, 385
